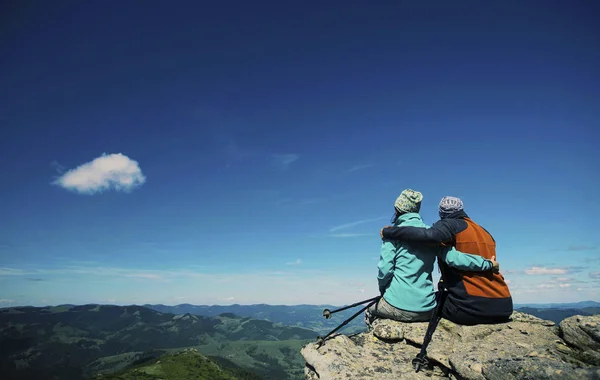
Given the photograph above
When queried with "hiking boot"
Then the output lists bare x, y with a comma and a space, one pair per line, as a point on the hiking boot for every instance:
369, 318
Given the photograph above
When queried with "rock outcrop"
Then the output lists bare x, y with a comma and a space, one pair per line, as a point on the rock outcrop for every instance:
524, 348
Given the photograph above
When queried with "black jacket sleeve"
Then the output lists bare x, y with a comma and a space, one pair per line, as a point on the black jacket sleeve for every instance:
442, 231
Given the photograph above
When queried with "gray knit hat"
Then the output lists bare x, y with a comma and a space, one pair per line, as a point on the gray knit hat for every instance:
409, 201
449, 205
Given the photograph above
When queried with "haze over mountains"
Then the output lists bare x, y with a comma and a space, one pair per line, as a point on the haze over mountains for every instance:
74, 342
310, 316
232, 342
571, 305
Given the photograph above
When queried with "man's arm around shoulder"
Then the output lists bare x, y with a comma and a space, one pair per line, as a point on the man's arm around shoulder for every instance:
441, 231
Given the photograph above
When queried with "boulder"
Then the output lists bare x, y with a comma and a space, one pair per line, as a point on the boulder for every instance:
527, 347
583, 333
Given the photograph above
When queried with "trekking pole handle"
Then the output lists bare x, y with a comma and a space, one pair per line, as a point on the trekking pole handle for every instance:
327, 313
321, 340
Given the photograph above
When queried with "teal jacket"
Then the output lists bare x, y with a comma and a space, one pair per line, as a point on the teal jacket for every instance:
405, 269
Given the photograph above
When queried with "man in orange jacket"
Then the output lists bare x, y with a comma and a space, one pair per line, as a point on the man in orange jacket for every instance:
473, 297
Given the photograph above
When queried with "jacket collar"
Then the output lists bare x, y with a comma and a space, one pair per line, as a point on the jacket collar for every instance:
457, 215
408, 216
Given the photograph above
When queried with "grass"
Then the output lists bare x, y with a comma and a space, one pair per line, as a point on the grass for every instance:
262, 359
188, 364
113, 363
272, 359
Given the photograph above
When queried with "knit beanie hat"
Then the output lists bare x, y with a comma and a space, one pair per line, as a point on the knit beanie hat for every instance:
449, 205
409, 201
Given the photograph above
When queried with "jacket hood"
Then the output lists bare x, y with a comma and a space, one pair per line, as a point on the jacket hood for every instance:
456, 215
408, 216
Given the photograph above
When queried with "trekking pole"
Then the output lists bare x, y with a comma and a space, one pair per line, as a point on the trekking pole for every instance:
327, 313
373, 300
420, 360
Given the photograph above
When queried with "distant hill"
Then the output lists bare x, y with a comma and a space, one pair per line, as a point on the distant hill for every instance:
304, 316
557, 315
572, 305
186, 364
311, 316
72, 342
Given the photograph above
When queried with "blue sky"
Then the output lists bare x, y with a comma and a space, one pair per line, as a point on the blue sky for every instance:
244, 153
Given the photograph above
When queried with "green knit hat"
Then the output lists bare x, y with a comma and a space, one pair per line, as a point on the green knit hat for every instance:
409, 201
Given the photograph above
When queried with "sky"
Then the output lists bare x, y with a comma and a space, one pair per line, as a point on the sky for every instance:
250, 152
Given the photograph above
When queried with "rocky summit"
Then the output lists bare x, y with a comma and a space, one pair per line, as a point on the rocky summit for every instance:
524, 348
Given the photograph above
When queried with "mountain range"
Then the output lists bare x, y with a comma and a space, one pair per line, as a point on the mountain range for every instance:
145, 342
75, 342
570, 305
311, 316
304, 316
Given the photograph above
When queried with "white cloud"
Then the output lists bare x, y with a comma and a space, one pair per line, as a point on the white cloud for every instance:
543, 270
57, 167
147, 276
124, 272
11, 272
512, 271
284, 161
359, 167
92, 283
295, 262
581, 248
352, 224
114, 171
6, 301
546, 286
564, 279
105, 272
310, 201
349, 235
301, 286
237, 153
532, 290
595, 275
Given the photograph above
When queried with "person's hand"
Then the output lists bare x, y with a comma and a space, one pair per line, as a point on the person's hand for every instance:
495, 265
381, 232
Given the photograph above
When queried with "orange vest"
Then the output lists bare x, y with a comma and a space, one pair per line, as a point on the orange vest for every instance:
475, 240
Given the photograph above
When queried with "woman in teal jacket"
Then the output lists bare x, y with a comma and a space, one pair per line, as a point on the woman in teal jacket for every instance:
405, 270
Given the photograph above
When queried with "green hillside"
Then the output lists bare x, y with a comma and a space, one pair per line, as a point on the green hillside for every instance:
267, 359
75, 342
187, 364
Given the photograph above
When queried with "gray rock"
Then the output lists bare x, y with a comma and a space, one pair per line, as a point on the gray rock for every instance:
342, 358
583, 333
517, 316
524, 348
537, 368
